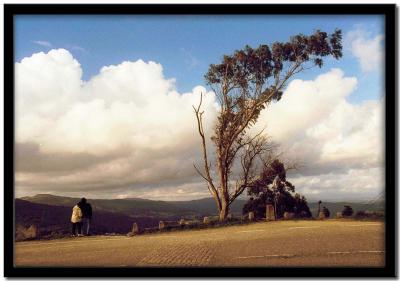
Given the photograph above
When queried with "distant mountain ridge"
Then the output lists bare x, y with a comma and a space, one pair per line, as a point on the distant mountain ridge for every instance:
199, 207
139, 206
51, 213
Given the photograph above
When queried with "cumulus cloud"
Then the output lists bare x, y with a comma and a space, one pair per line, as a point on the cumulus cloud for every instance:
127, 132
126, 126
329, 137
368, 49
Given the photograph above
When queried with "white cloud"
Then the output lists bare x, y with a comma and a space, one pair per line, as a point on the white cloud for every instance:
77, 48
127, 132
367, 49
126, 126
43, 43
328, 136
351, 185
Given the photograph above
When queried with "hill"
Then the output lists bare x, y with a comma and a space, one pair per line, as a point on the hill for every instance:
51, 214
141, 207
52, 221
137, 207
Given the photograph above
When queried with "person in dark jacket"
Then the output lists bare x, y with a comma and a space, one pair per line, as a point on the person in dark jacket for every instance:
86, 216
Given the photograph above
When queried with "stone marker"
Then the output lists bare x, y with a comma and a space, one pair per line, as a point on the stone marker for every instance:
161, 225
251, 216
288, 215
182, 222
321, 215
270, 212
23, 233
206, 220
135, 228
32, 232
339, 215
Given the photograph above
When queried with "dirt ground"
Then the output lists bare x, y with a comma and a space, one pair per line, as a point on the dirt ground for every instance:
343, 243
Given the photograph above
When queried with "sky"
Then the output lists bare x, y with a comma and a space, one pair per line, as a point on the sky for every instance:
104, 104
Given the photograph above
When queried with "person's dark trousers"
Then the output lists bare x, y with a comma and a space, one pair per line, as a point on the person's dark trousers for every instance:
85, 226
77, 226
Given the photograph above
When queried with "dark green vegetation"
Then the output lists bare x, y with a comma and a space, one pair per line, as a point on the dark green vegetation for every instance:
347, 211
326, 211
52, 213
280, 193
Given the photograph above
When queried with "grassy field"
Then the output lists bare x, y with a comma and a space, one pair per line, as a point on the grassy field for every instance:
283, 243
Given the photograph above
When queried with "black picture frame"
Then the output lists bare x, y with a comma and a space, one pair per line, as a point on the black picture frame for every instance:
387, 10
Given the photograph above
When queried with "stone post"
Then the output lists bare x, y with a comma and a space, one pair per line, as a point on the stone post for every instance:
251, 216
135, 228
206, 220
32, 232
321, 215
270, 212
182, 222
161, 225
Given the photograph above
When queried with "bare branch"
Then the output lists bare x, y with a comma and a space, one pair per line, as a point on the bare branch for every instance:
207, 175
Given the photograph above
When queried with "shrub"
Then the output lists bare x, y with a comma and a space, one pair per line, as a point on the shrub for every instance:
326, 212
347, 211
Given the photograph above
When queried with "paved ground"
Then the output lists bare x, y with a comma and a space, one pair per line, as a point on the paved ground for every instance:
284, 243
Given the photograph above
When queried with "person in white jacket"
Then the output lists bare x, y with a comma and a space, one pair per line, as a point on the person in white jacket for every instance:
76, 220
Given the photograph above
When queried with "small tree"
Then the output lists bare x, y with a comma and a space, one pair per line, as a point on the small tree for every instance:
245, 83
286, 200
326, 212
347, 211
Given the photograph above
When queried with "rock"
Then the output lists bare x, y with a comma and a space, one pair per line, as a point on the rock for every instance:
270, 212
161, 225
23, 233
206, 220
182, 222
321, 215
251, 216
339, 215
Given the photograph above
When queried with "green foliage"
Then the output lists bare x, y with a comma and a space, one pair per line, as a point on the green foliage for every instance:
249, 67
262, 193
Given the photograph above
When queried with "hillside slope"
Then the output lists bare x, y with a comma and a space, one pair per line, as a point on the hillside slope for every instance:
55, 220
141, 207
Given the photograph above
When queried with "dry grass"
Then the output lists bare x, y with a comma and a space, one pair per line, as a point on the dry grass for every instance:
283, 243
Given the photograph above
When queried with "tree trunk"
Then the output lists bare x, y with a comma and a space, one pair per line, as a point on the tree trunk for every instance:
223, 213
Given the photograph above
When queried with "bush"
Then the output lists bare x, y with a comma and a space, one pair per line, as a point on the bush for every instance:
369, 215
326, 212
347, 211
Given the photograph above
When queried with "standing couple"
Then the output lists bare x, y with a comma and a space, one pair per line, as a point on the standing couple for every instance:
81, 216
